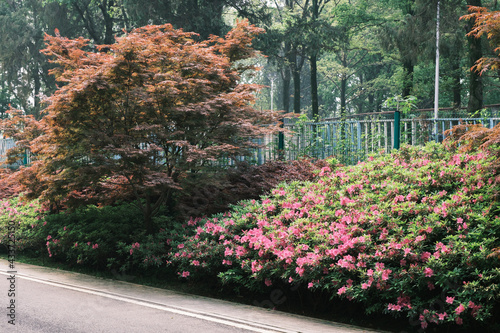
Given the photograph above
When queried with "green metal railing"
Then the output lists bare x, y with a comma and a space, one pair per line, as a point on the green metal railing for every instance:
351, 140
348, 140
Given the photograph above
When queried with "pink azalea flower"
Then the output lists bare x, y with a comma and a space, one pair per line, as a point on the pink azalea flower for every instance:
450, 300
385, 274
460, 309
228, 252
394, 307
185, 274
441, 316
428, 272
341, 290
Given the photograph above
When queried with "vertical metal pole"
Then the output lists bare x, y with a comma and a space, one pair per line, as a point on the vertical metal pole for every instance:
436, 79
397, 129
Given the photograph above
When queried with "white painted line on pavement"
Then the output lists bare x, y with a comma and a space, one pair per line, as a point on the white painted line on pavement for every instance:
254, 327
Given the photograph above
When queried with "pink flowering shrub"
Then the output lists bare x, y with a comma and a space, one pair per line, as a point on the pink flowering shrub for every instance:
406, 234
22, 218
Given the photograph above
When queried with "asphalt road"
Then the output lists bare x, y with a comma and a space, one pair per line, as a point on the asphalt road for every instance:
39, 299
47, 308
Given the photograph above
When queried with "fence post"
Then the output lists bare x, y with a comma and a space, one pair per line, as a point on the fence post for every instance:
397, 129
281, 142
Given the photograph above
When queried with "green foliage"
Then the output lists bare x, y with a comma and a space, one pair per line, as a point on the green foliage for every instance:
24, 217
402, 104
90, 235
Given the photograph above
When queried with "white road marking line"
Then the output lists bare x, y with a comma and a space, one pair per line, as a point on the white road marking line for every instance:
157, 306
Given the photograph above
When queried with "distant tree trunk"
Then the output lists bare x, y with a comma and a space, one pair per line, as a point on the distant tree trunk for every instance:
296, 91
456, 70
297, 68
360, 101
343, 92
35, 51
343, 87
105, 7
408, 68
314, 86
475, 81
37, 84
285, 76
457, 86
314, 68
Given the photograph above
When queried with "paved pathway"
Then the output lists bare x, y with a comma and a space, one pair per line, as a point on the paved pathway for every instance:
196, 308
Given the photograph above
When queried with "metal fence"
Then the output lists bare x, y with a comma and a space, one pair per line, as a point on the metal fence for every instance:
351, 140
5, 145
347, 140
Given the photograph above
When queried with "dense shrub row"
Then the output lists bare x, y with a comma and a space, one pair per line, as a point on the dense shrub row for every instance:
407, 234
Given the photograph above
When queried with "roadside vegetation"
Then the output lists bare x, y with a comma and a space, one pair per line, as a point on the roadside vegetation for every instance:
411, 234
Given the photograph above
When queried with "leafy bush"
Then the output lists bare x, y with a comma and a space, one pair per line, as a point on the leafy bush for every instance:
90, 235
408, 234
243, 182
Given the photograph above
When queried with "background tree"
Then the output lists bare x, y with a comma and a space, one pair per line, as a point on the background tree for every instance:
204, 17
345, 67
155, 109
22, 66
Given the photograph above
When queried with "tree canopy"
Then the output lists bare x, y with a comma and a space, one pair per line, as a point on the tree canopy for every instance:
153, 108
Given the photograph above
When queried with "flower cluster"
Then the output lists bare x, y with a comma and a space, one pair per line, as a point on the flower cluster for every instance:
399, 233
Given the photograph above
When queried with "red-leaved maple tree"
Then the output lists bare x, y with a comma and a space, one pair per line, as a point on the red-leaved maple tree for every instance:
144, 112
